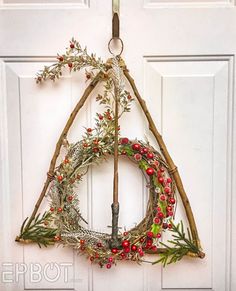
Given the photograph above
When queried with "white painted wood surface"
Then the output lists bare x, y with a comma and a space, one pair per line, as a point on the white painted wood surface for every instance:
181, 54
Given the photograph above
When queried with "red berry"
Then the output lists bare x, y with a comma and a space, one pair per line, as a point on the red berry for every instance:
82, 241
167, 190
52, 209
85, 145
150, 171
170, 213
99, 244
95, 150
149, 243
162, 197
158, 208
172, 200
150, 234
134, 248
110, 259
60, 58
114, 250
126, 249
145, 150
137, 157
108, 266
136, 147
100, 116
160, 215
150, 155
66, 161
59, 209
154, 248
165, 225
57, 238
124, 140
141, 239
91, 259
168, 180
161, 179
125, 233
162, 170
82, 248
169, 208
70, 65
141, 152
156, 220
89, 129
141, 254
72, 45
158, 235
123, 255
125, 243
70, 198
59, 178
129, 97
169, 225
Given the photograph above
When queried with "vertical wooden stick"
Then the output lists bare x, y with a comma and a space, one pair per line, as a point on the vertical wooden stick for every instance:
173, 169
115, 205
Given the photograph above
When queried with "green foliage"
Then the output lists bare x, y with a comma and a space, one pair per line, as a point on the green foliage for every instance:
143, 165
155, 228
180, 246
37, 231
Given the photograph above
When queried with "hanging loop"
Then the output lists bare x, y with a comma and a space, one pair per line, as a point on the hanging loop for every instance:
113, 46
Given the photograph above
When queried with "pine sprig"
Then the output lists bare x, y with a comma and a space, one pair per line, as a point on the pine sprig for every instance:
37, 231
181, 245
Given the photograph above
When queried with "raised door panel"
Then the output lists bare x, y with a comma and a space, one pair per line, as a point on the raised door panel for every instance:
191, 101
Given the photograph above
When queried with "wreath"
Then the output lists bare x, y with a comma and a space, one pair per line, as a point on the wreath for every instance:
63, 223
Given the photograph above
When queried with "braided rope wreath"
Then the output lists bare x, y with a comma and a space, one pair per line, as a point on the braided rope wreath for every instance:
145, 236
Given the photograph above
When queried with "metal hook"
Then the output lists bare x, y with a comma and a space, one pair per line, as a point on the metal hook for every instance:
115, 19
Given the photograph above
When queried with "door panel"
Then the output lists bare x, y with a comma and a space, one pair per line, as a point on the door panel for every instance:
182, 60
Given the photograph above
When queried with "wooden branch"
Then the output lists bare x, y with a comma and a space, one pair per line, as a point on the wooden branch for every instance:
115, 184
115, 243
63, 135
173, 169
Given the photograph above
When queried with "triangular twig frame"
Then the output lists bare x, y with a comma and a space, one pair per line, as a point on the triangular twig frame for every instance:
152, 127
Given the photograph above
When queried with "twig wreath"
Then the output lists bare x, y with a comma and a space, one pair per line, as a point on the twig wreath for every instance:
63, 223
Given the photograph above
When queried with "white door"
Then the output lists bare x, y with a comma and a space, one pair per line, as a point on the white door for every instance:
181, 55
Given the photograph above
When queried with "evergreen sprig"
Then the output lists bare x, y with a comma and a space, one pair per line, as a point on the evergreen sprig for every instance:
37, 231
181, 245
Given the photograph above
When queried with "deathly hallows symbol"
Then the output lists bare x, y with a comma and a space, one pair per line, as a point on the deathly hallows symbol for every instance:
63, 223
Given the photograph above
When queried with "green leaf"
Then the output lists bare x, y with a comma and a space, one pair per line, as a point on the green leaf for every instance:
143, 165
155, 228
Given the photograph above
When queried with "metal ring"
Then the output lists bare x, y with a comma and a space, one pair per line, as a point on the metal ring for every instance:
122, 46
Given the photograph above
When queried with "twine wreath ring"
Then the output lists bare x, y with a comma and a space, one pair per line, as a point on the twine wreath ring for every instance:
141, 238
63, 222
